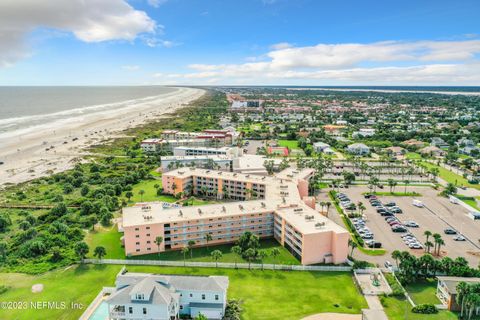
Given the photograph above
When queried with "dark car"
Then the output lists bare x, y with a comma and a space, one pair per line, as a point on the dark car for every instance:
450, 231
387, 214
396, 210
367, 195
398, 228
391, 204
375, 244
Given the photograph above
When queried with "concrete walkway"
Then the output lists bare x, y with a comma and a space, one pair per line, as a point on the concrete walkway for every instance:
375, 309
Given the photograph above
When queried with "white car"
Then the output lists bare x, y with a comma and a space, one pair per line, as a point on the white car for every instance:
459, 238
411, 224
418, 203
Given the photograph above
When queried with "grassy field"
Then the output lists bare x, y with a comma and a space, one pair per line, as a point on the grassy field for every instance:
150, 192
413, 156
291, 144
110, 239
398, 308
423, 291
469, 200
450, 176
264, 294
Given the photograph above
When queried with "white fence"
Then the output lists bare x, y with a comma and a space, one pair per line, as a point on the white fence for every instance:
219, 265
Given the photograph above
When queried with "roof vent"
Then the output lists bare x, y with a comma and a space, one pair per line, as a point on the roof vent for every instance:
319, 224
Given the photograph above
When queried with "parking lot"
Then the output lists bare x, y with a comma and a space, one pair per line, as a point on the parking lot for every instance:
437, 215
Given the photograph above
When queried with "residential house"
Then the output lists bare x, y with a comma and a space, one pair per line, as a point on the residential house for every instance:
432, 151
364, 132
395, 151
322, 147
439, 142
358, 149
447, 291
167, 297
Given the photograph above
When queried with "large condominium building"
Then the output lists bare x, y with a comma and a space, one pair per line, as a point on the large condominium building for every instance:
171, 139
205, 151
276, 206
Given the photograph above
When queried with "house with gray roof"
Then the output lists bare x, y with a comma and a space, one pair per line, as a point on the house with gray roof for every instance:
167, 297
359, 149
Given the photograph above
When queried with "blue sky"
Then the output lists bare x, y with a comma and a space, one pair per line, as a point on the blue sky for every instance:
113, 42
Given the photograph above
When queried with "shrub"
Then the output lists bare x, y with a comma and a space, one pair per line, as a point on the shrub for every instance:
425, 309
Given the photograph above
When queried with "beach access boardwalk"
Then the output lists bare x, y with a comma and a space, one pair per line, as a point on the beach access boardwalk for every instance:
223, 265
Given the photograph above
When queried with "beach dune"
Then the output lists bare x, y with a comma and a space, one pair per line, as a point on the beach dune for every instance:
26, 157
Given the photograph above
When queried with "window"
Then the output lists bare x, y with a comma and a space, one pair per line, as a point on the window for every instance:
148, 241
216, 297
137, 243
148, 234
130, 310
148, 228
203, 296
137, 236
191, 295
136, 229
144, 310
138, 250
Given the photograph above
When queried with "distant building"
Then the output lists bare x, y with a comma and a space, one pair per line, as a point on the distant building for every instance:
283, 151
395, 151
333, 130
439, 143
432, 151
447, 291
162, 297
366, 132
358, 149
414, 142
322, 147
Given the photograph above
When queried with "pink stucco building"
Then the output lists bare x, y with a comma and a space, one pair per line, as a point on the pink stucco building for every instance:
276, 206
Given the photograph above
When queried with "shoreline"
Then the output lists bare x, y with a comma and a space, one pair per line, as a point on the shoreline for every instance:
25, 157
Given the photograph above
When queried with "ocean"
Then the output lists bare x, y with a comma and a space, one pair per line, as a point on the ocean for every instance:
24, 108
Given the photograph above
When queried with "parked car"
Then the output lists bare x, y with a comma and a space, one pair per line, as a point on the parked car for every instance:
399, 228
388, 264
411, 224
459, 238
418, 203
391, 204
450, 231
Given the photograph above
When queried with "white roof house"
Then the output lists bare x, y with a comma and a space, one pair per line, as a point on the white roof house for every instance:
323, 148
358, 149
158, 297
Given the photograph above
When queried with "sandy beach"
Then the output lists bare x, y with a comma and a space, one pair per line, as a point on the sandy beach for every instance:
25, 156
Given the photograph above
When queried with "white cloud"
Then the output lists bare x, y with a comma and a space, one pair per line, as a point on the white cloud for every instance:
156, 3
131, 67
280, 46
154, 42
87, 20
394, 62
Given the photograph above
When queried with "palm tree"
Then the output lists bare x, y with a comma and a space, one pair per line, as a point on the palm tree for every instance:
129, 195
328, 204
249, 254
436, 238
322, 204
141, 193
191, 243
158, 242
99, 252
428, 245
462, 293
185, 251
353, 245
439, 243
208, 237
396, 254
392, 184
406, 182
237, 251
427, 234
216, 255
262, 255
275, 252
361, 207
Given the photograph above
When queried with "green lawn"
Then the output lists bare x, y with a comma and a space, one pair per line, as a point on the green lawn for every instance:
413, 156
450, 176
469, 200
264, 294
398, 308
110, 239
423, 291
150, 192
291, 144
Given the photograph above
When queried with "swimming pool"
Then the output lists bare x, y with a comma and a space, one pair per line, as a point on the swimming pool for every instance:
101, 312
